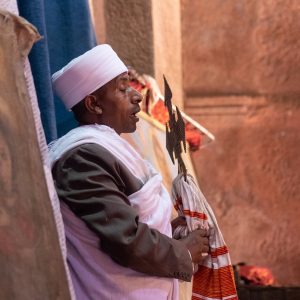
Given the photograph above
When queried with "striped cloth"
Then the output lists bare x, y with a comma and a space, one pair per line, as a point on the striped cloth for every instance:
214, 279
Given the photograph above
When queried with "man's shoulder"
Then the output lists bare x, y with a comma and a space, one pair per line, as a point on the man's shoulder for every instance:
90, 151
86, 157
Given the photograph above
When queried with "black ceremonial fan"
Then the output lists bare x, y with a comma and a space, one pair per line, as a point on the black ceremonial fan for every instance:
175, 131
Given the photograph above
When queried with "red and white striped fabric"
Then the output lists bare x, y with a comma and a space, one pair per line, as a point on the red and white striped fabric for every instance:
214, 279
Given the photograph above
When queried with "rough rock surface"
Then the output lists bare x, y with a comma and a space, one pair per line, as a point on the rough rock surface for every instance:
241, 67
250, 176
238, 47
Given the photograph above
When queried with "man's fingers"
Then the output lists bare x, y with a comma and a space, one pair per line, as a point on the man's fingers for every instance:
205, 241
211, 231
205, 249
203, 232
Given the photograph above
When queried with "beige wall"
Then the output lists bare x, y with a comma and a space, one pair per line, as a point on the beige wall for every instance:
241, 73
167, 45
97, 13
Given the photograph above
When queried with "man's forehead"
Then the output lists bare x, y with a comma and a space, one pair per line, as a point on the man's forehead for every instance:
123, 77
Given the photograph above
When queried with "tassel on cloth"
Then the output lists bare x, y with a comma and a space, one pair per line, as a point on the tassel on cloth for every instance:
214, 279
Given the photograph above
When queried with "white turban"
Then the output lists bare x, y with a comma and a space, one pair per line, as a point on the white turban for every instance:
87, 73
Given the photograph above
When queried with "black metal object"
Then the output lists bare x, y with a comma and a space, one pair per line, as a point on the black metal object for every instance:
268, 293
175, 132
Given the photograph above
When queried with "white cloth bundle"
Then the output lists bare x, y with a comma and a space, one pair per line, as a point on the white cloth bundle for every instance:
214, 279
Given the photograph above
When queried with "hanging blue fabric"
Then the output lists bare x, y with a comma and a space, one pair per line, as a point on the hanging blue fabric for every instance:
33, 11
68, 32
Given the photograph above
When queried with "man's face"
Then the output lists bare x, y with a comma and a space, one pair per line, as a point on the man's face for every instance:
120, 104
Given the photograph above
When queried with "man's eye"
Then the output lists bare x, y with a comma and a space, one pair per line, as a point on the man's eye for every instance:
126, 90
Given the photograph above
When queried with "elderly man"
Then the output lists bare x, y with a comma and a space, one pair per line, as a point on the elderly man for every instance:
115, 208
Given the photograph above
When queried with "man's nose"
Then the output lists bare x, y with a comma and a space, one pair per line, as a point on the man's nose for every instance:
136, 97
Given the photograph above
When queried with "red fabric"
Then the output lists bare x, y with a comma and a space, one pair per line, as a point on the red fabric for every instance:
193, 137
256, 275
160, 112
207, 283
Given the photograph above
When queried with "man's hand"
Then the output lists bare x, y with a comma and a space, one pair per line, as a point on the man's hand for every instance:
197, 244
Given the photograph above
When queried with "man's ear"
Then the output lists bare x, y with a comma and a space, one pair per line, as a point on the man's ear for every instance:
92, 105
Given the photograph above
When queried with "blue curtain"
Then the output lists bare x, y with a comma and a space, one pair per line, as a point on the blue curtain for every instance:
67, 32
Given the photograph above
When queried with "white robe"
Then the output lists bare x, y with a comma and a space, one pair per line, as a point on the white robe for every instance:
94, 274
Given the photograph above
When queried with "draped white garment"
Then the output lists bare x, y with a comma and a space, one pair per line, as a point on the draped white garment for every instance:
94, 274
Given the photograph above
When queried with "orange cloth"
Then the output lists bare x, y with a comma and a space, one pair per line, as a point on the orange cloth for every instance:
255, 275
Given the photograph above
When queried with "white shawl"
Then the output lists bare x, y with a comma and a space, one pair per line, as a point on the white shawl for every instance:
214, 279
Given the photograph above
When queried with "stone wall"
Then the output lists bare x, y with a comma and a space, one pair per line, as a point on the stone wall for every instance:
167, 46
241, 74
31, 261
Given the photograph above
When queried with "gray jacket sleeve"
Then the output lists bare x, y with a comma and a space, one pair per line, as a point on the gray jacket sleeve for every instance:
95, 185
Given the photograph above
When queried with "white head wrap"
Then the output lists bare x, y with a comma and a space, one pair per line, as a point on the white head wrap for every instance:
87, 73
